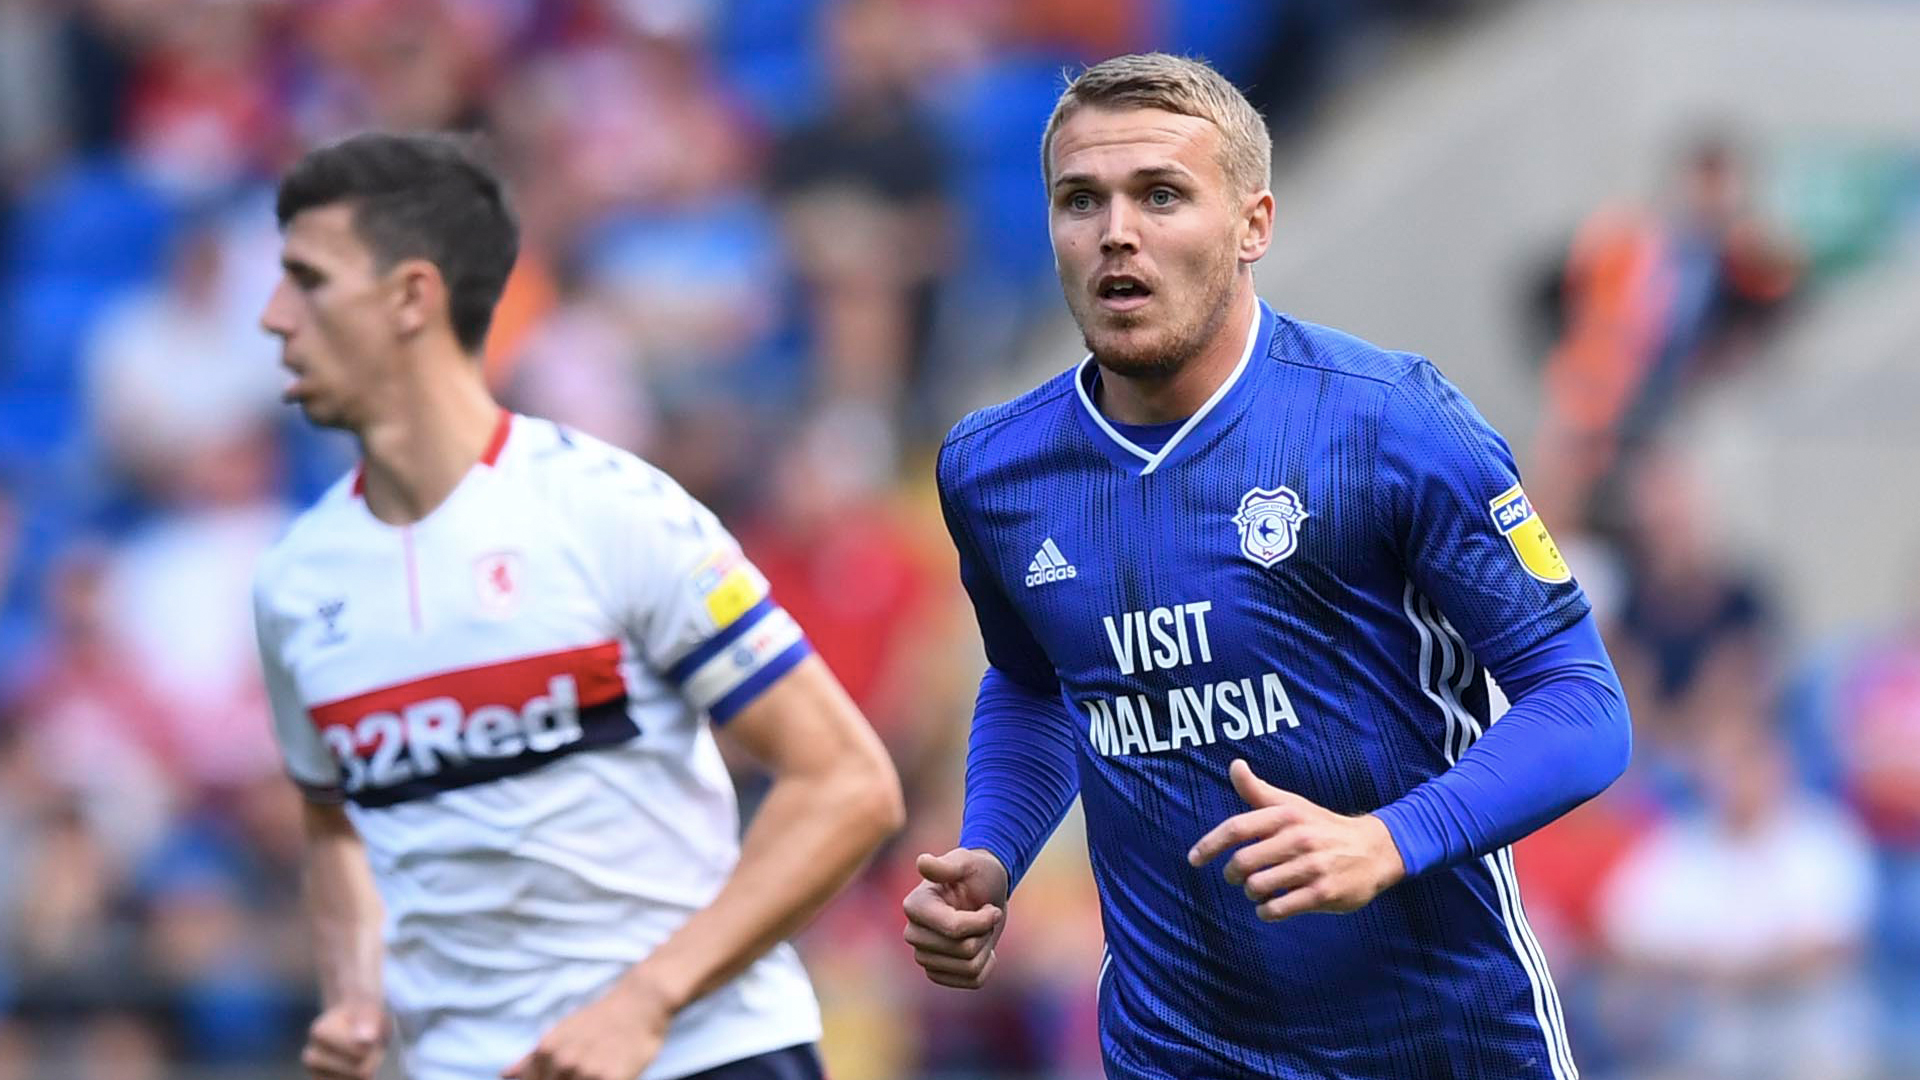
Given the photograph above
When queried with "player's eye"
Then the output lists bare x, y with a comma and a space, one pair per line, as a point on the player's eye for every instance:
1080, 202
1162, 198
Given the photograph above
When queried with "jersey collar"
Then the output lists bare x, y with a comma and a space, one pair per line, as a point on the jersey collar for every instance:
495, 443
1216, 413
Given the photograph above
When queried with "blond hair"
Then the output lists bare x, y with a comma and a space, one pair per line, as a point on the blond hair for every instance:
1175, 84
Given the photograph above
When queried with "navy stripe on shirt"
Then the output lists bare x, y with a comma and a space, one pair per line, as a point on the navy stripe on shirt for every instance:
684, 668
741, 696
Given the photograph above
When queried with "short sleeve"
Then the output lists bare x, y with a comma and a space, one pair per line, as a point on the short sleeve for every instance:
1470, 540
1011, 646
306, 757
700, 614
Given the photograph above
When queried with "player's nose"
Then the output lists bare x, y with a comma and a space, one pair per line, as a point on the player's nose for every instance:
276, 317
1120, 231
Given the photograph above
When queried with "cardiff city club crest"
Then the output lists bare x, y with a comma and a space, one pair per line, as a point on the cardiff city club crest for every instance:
1269, 523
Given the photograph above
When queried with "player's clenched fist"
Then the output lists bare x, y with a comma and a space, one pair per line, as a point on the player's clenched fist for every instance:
346, 1042
955, 915
1296, 857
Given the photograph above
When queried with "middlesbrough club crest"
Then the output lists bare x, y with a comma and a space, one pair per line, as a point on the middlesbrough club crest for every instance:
1269, 523
496, 581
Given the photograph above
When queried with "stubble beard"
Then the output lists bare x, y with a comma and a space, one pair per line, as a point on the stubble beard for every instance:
1118, 345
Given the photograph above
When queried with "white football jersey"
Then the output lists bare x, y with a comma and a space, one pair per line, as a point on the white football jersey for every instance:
512, 698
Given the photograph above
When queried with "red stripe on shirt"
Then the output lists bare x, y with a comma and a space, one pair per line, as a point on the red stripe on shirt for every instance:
501, 430
595, 670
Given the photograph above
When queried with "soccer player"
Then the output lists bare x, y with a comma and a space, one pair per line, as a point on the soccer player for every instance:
1240, 580
493, 651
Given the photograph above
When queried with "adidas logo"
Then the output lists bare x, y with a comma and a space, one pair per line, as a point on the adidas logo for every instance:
1049, 565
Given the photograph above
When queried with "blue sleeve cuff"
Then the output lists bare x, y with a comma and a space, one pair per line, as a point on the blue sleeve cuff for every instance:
1002, 848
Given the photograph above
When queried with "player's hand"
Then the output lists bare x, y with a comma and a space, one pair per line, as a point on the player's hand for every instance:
612, 1039
346, 1042
955, 915
1296, 857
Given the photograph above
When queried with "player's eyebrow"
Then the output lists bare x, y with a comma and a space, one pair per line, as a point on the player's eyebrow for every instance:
300, 268
1149, 173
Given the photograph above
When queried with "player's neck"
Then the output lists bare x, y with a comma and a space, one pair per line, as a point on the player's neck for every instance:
1136, 400
435, 427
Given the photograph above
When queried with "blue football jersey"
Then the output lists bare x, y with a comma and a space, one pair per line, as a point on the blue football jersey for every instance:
1309, 574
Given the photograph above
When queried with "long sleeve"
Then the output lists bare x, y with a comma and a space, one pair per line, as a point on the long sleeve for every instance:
1022, 764
1022, 772
1566, 737
1473, 545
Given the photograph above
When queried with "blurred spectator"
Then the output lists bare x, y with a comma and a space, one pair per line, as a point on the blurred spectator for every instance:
198, 561
1650, 303
71, 939
16, 1051
651, 173
714, 447
580, 365
200, 114
1690, 608
32, 95
65, 69
119, 1046
1089, 29
89, 723
843, 563
24, 798
626, 111
202, 944
1562, 867
15, 626
400, 65
862, 192
1874, 730
1741, 924
179, 370
533, 294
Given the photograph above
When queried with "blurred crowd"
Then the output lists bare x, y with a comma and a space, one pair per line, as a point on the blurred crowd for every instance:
1743, 904
777, 246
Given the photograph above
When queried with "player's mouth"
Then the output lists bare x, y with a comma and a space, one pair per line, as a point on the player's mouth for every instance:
1121, 292
292, 392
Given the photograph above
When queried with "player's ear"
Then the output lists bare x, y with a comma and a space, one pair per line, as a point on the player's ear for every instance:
1256, 225
419, 294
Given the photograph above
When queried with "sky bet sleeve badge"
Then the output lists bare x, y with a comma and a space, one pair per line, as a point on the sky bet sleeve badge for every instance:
729, 585
1513, 515
1269, 523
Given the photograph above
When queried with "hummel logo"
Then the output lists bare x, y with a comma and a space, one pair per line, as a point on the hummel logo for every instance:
330, 614
1049, 565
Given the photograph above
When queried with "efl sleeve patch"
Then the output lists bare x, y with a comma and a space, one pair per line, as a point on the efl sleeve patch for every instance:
729, 586
1514, 516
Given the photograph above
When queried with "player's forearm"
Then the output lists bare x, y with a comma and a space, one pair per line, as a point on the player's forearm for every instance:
343, 910
1022, 772
811, 835
1567, 736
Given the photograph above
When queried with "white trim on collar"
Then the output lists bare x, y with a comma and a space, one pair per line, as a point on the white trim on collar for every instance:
1153, 460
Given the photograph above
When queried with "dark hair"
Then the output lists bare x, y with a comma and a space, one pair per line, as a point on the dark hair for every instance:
426, 197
